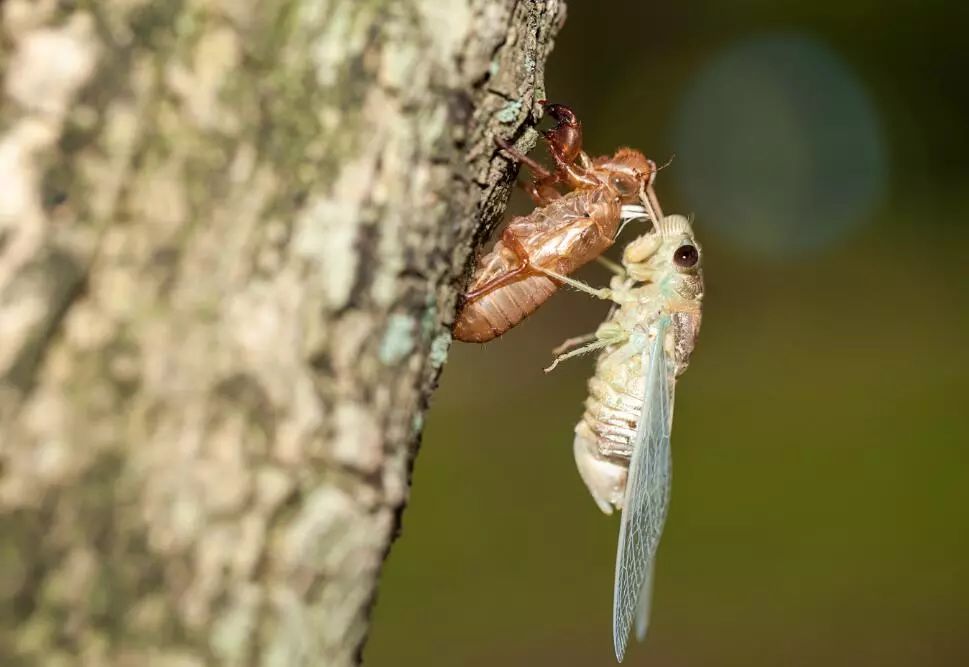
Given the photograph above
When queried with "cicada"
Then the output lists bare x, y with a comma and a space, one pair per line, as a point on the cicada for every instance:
622, 442
562, 234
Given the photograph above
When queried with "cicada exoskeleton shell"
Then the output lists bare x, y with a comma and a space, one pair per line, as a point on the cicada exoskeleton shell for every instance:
562, 234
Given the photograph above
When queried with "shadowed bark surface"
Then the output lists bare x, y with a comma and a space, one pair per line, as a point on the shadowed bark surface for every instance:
231, 238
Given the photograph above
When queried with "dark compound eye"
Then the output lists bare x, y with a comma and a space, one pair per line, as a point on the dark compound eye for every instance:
686, 256
625, 186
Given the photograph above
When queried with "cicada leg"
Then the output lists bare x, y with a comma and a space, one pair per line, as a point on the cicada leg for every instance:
603, 337
606, 330
565, 146
612, 266
569, 343
542, 192
524, 265
604, 293
565, 139
541, 189
537, 169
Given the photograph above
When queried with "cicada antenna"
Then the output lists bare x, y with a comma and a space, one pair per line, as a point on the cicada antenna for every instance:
667, 163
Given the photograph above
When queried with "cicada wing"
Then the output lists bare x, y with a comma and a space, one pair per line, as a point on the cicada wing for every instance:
645, 601
647, 497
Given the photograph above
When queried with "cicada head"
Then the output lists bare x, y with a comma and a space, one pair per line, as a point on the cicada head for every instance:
668, 255
628, 172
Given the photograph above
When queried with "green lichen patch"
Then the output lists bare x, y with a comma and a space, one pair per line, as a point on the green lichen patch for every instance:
509, 113
439, 349
398, 340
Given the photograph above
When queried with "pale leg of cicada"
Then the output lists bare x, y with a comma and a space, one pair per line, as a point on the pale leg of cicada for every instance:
605, 330
606, 335
604, 293
569, 343
612, 266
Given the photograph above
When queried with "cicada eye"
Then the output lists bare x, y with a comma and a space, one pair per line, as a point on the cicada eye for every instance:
625, 185
686, 256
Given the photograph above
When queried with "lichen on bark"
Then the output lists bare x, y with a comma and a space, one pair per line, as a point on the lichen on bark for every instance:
231, 238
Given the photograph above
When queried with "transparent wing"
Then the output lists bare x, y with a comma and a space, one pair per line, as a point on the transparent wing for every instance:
647, 497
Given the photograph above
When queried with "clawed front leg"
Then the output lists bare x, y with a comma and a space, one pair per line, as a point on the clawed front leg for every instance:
565, 139
604, 293
565, 146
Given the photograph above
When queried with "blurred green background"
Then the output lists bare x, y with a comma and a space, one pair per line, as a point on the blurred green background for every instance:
819, 511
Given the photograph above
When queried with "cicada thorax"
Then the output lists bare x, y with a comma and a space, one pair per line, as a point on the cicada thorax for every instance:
561, 236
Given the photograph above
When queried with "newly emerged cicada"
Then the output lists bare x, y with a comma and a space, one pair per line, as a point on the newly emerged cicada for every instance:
564, 233
622, 442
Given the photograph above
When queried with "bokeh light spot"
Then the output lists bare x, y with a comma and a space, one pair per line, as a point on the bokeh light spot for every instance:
779, 149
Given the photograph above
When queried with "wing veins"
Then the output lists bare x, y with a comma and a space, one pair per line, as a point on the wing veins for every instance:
646, 499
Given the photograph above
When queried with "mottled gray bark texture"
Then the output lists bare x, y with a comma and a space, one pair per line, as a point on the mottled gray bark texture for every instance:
231, 237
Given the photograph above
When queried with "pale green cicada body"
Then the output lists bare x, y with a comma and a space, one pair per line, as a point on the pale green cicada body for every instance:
622, 443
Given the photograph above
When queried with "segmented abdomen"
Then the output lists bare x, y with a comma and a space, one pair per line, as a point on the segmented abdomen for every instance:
495, 313
604, 437
611, 414
561, 236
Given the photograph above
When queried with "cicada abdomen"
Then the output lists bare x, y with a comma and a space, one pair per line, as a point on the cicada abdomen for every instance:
562, 236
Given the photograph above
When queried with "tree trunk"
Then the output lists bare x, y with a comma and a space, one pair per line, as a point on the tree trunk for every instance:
231, 238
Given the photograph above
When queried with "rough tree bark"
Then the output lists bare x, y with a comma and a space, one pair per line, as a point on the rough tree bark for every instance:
231, 236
